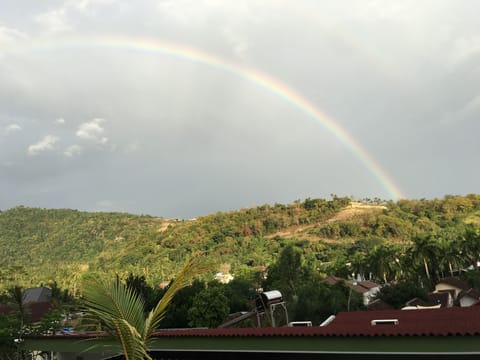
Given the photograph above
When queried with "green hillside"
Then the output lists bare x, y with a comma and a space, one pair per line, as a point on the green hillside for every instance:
42, 245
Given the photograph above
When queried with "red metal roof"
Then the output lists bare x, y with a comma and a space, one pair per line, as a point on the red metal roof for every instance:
454, 321
431, 322
437, 322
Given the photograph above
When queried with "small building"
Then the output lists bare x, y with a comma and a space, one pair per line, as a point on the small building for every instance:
442, 299
469, 298
462, 293
368, 289
223, 278
453, 284
35, 310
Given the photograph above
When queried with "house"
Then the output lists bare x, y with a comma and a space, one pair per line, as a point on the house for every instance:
469, 298
36, 301
367, 289
35, 310
453, 284
370, 290
442, 299
224, 278
462, 293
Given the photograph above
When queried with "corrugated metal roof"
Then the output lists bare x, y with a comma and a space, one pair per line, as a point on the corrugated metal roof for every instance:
454, 321
432, 322
438, 322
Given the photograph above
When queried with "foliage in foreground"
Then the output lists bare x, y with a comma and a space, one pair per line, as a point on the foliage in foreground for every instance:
121, 310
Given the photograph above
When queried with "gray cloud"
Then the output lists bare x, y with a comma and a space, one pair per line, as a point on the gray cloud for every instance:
181, 137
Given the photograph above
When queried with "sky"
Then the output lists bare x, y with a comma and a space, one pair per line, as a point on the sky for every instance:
182, 108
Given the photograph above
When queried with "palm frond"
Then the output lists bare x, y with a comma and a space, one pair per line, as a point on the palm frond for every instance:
120, 311
194, 267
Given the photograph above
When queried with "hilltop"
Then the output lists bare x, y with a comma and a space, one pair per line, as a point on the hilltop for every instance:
42, 245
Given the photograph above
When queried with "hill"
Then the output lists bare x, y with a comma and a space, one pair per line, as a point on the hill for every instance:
42, 245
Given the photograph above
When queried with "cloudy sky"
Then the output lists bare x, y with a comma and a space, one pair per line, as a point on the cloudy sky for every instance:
180, 108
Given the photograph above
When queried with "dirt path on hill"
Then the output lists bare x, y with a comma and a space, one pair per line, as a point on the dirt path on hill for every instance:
301, 231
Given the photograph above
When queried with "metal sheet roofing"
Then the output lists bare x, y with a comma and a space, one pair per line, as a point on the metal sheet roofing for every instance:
437, 322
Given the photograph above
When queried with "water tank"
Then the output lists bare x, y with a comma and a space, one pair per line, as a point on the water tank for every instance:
267, 298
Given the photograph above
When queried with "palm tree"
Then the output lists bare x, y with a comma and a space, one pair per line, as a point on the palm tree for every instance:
383, 262
450, 250
425, 250
121, 311
472, 244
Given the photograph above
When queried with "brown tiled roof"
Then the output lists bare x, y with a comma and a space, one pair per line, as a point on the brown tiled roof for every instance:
332, 279
357, 286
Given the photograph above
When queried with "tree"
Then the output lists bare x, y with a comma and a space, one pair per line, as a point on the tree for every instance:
121, 311
241, 294
397, 295
8, 332
13, 325
209, 307
425, 251
472, 244
140, 286
383, 262
177, 314
317, 300
286, 273
449, 251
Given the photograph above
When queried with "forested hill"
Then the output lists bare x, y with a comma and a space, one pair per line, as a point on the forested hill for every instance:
42, 245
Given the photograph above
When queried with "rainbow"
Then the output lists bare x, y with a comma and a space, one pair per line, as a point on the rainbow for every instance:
255, 76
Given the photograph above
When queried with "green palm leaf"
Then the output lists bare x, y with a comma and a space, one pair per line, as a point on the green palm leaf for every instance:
121, 311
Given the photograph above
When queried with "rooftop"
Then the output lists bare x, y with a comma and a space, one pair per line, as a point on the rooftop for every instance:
432, 322
439, 331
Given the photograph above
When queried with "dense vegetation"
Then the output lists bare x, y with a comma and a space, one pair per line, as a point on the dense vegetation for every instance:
409, 239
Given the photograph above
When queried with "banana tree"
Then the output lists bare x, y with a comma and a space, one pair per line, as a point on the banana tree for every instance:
121, 311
